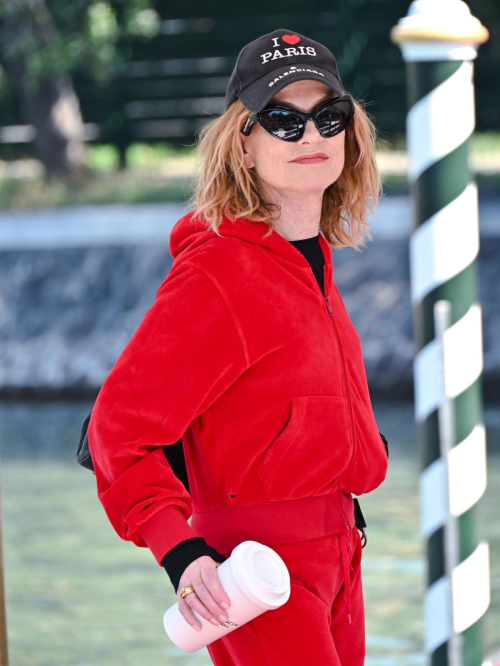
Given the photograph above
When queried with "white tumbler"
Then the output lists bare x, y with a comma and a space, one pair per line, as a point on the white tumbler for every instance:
254, 577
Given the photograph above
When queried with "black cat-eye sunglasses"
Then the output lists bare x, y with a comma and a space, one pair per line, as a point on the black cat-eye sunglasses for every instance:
288, 124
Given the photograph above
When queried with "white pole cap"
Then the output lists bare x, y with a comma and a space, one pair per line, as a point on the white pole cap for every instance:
439, 30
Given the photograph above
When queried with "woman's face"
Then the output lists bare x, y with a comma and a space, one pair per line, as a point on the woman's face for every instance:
272, 158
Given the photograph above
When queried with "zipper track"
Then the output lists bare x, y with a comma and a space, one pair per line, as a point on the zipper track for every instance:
331, 318
346, 387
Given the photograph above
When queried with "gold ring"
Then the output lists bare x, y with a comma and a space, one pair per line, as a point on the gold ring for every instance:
184, 591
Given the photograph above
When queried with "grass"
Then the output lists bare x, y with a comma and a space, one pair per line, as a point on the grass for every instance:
128, 187
162, 173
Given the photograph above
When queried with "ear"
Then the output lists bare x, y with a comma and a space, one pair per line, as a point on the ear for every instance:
247, 159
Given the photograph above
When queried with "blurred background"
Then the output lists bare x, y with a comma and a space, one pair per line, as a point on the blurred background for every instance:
100, 103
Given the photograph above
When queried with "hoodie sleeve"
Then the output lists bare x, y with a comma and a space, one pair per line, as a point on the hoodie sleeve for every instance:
186, 352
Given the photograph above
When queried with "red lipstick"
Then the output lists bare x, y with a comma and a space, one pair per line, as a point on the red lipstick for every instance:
313, 158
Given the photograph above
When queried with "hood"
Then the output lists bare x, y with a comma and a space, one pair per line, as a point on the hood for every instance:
188, 234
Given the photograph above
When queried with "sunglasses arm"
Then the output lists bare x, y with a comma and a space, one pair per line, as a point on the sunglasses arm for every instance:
250, 122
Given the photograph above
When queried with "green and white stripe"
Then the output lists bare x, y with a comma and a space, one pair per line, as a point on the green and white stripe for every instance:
447, 324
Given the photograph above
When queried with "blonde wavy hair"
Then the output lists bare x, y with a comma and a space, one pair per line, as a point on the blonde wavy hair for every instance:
224, 188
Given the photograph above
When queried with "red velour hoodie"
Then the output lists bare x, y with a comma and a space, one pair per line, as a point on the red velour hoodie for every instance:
261, 375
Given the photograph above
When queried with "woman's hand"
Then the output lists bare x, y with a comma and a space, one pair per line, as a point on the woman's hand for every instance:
209, 596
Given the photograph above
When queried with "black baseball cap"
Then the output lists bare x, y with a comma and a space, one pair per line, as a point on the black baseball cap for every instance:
275, 60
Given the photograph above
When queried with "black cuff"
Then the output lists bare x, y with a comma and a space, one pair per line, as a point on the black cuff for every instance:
358, 516
386, 443
180, 557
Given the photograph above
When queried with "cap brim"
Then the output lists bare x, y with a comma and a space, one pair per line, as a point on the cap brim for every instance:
258, 94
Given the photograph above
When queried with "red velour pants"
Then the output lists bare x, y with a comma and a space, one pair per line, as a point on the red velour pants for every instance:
313, 626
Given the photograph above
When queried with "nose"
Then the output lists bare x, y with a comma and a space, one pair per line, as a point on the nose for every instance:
311, 132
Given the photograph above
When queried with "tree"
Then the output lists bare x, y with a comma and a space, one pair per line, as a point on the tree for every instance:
42, 42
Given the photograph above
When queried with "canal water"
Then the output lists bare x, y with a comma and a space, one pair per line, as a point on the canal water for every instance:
77, 595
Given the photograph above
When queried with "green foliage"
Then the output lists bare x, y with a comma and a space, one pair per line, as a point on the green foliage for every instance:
486, 143
154, 155
86, 35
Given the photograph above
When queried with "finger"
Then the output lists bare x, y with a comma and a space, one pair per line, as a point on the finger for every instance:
204, 604
188, 614
215, 589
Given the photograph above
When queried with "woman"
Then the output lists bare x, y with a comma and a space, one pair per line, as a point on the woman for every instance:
249, 355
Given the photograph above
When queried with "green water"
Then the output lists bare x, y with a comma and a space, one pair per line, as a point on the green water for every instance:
77, 595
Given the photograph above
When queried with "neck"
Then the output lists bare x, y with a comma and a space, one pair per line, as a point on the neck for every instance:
300, 212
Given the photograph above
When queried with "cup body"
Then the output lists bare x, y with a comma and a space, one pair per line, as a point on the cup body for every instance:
254, 577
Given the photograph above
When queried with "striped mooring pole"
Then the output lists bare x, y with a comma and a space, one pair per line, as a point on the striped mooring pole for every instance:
439, 41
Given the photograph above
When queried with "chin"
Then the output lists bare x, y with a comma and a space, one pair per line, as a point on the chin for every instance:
307, 188
311, 182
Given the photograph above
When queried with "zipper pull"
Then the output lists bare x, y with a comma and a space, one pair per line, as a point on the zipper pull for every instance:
349, 535
329, 306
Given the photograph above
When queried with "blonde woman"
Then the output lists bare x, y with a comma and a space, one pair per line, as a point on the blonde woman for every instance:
248, 355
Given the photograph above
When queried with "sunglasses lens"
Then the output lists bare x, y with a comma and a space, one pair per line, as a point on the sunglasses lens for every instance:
335, 118
283, 124
289, 126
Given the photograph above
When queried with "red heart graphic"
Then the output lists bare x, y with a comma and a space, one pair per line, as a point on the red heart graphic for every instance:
290, 39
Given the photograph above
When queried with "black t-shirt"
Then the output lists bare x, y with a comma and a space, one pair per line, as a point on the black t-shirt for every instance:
311, 249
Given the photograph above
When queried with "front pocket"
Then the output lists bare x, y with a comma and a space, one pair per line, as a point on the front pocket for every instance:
369, 466
314, 448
